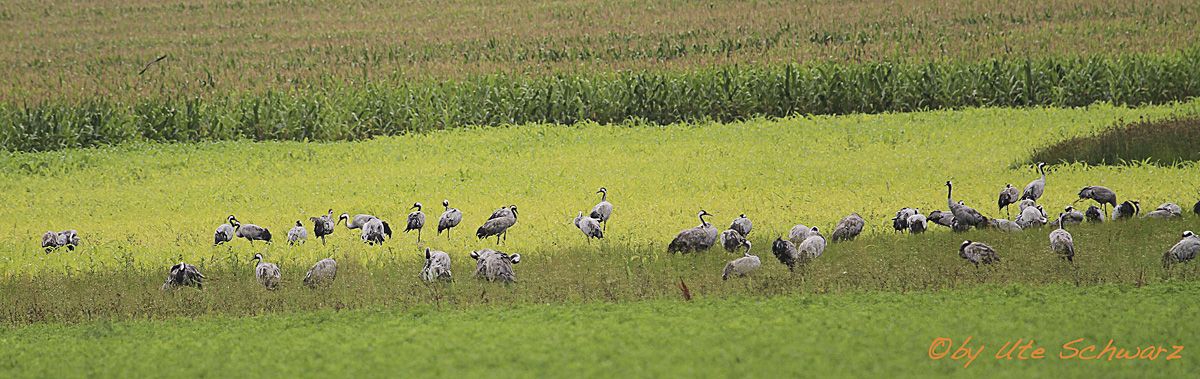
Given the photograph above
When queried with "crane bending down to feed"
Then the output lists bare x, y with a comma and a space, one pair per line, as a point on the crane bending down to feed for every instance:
699, 238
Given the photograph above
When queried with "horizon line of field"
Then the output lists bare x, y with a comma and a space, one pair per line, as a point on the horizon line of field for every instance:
717, 93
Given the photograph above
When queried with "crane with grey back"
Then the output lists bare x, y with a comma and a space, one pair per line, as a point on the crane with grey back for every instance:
966, 216
742, 225
1094, 214
1127, 209
416, 221
1070, 215
53, 240
589, 226
495, 266
1184, 250
799, 233
1101, 195
1032, 217
1061, 241
900, 222
323, 225
357, 222
699, 238
267, 273
603, 210
250, 232
297, 234
321, 274
1166, 211
812, 247
437, 266
978, 252
498, 225
1033, 190
374, 231
742, 266
449, 219
1004, 225
942, 218
1008, 196
848, 228
183, 275
917, 223
224, 232
732, 240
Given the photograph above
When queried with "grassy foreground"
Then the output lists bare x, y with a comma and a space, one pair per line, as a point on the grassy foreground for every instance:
859, 334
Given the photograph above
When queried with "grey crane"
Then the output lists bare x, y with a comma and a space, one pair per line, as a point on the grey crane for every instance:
374, 231
250, 232
813, 246
321, 274
942, 218
848, 228
732, 240
1094, 214
1025, 203
437, 266
224, 232
742, 266
787, 252
1127, 209
589, 226
323, 225
297, 234
900, 222
1070, 215
742, 225
267, 273
1166, 211
917, 223
54, 240
1101, 195
799, 233
978, 252
498, 226
1061, 241
699, 238
495, 266
1032, 217
450, 218
1033, 190
416, 221
603, 210
1184, 250
183, 275
357, 222
966, 216
1008, 196
1004, 225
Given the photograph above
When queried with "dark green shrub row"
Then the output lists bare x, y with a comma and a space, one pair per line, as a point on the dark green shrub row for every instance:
721, 94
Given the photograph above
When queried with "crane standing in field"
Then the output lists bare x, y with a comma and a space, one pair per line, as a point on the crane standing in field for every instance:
183, 275
848, 228
742, 225
374, 231
732, 240
267, 273
416, 221
357, 222
323, 226
603, 210
1183, 251
250, 232
1033, 190
321, 274
964, 215
1008, 196
224, 232
1101, 195
449, 219
1061, 241
742, 266
297, 234
977, 252
502, 219
699, 238
589, 226
437, 266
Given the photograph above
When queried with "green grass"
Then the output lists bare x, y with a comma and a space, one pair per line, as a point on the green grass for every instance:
1162, 142
855, 334
140, 208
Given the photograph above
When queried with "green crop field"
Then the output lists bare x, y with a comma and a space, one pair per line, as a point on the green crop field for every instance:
145, 124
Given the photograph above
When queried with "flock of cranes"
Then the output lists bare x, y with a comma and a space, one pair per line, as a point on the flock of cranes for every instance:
802, 245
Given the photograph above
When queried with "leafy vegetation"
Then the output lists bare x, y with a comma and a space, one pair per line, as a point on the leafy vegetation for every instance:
1159, 142
856, 334
142, 208
721, 94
